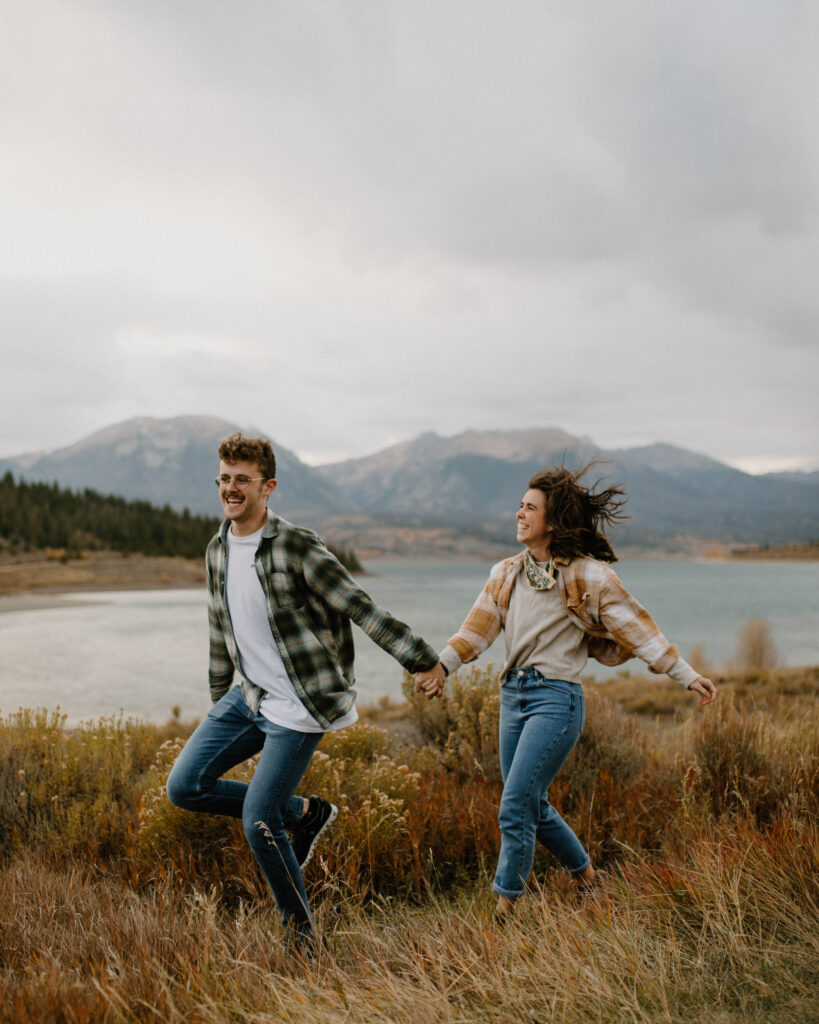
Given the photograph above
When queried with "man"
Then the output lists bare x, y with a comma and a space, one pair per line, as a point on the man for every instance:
280, 610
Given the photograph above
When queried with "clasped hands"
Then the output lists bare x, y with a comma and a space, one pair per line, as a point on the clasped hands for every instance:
431, 682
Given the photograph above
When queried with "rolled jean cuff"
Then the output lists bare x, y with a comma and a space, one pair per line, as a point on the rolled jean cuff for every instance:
576, 871
508, 893
511, 894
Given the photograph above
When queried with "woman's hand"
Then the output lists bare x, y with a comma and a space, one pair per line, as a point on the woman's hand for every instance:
705, 688
431, 682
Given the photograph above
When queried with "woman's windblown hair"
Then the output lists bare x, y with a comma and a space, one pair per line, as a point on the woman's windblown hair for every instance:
576, 515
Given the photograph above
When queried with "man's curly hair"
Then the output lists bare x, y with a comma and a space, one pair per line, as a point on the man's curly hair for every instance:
249, 449
576, 515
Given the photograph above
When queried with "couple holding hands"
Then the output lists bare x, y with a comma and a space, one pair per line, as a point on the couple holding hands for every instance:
280, 608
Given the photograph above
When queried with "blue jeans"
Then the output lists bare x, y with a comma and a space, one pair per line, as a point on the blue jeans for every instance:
230, 734
540, 721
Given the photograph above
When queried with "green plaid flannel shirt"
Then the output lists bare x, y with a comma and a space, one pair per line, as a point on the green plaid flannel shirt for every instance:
311, 600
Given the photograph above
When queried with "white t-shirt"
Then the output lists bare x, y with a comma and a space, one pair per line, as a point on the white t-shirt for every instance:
260, 660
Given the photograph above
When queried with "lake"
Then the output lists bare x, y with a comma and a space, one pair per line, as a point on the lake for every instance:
144, 652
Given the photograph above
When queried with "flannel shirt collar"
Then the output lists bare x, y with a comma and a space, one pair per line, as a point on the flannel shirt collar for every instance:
270, 528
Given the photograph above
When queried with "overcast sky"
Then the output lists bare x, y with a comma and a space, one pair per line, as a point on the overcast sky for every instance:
350, 222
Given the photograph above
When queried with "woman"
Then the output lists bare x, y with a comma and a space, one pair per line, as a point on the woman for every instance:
557, 602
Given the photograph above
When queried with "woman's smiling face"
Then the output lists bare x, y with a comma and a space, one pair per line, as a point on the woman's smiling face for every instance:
533, 530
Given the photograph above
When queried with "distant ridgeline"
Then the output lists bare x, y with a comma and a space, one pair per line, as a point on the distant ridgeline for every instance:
34, 516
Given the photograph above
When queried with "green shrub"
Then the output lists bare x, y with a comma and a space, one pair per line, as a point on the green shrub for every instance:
368, 850
463, 723
411, 818
740, 764
72, 792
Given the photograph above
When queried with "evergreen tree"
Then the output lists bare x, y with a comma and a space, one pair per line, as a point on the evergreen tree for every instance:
34, 516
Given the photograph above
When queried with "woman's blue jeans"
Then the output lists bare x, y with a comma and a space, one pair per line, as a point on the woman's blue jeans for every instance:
230, 734
540, 721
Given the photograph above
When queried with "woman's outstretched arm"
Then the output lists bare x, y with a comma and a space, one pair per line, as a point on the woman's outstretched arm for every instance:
632, 628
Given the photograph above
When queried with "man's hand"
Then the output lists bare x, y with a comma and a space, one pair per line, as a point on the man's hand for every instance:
705, 688
431, 682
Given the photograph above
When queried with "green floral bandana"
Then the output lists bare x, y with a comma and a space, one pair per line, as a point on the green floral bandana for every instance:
539, 577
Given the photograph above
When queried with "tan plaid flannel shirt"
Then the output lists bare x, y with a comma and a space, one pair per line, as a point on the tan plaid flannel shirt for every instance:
617, 625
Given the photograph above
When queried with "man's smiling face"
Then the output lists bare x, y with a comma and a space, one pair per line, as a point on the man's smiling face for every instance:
244, 491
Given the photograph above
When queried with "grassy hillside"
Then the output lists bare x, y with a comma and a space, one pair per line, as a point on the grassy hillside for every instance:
118, 907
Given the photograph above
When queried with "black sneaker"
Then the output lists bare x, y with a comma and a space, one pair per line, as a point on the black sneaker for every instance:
320, 813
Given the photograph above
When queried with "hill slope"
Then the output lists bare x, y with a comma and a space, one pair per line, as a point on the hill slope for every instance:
477, 479
173, 461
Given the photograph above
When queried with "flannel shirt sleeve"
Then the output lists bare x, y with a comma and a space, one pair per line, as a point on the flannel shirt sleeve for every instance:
481, 626
220, 666
632, 628
327, 577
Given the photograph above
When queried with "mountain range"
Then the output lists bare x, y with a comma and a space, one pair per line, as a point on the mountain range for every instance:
453, 495
172, 462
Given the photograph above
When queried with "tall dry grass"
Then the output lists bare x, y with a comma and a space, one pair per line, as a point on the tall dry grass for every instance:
728, 933
115, 906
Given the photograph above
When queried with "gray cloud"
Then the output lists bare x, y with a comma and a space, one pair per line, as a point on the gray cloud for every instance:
348, 223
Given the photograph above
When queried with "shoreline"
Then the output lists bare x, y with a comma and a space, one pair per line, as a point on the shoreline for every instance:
46, 598
36, 601
36, 578
34, 582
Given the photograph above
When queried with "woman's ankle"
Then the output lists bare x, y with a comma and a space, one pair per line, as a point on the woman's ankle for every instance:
505, 905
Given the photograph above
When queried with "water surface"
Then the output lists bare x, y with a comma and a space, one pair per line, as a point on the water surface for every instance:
144, 652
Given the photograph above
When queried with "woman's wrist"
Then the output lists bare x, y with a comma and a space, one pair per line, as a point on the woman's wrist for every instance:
683, 674
450, 660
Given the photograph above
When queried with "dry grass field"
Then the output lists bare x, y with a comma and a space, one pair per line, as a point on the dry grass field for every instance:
117, 907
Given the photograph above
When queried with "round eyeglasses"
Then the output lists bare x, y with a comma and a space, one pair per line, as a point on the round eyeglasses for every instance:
237, 481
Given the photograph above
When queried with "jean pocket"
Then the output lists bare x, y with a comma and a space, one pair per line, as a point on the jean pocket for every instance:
559, 686
226, 705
